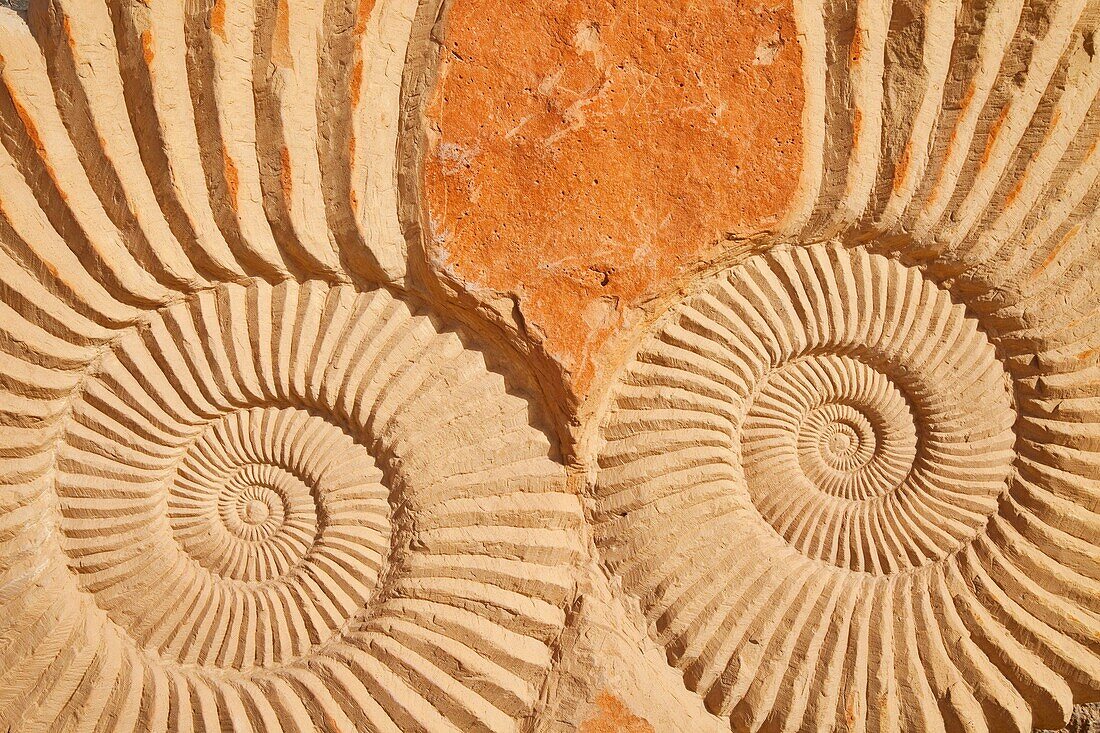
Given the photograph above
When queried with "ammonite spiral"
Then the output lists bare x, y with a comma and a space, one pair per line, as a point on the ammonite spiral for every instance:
260, 521
244, 483
538, 365
818, 480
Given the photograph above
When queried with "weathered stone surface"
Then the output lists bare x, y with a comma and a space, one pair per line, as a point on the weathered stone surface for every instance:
550, 366
613, 717
1085, 719
583, 157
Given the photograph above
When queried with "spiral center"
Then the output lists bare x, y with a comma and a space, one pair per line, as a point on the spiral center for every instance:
256, 511
842, 443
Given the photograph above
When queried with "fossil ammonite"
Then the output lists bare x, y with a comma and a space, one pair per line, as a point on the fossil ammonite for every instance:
245, 482
325, 325
290, 507
848, 501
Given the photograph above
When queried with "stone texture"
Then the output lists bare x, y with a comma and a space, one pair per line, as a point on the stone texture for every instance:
613, 717
573, 365
583, 157
826, 505
19, 6
1085, 719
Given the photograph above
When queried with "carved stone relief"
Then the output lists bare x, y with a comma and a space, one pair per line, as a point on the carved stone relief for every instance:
482, 365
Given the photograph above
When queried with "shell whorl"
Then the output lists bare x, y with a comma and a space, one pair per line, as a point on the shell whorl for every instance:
253, 477
244, 483
324, 496
821, 463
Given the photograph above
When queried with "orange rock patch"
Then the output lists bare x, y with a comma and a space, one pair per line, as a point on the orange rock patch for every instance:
614, 717
585, 154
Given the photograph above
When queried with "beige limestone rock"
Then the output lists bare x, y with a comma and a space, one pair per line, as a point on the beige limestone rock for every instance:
321, 411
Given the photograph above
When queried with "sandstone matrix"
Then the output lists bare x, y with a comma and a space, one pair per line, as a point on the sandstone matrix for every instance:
556, 365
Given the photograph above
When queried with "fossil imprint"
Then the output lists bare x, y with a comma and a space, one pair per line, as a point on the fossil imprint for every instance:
878, 508
258, 472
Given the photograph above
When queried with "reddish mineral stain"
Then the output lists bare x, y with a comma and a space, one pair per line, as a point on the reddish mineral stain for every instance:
148, 52
217, 18
286, 176
362, 15
232, 178
614, 717
585, 154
